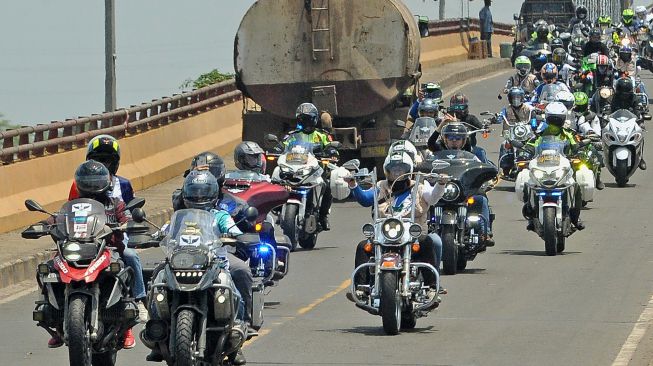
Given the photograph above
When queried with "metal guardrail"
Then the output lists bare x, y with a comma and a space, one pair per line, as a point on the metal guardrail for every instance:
448, 26
35, 141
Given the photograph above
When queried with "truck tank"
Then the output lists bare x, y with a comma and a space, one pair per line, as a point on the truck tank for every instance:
352, 58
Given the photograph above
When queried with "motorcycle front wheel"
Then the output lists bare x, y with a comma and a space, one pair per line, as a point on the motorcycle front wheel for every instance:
550, 234
390, 303
289, 225
449, 250
621, 173
79, 337
185, 346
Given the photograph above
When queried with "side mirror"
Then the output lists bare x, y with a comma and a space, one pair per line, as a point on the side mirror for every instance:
352, 165
647, 117
251, 214
138, 215
439, 164
400, 123
34, 206
335, 144
499, 96
136, 203
486, 113
515, 17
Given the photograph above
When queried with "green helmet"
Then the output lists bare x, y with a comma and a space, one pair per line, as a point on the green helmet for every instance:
627, 16
604, 20
581, 98
523, 65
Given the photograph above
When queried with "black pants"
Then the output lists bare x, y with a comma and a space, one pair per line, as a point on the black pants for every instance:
327, 198
487, 37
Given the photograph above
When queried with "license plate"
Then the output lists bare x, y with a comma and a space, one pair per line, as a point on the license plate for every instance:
374, 151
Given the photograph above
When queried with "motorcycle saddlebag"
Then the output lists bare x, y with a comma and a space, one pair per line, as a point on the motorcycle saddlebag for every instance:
585, 180
522, 178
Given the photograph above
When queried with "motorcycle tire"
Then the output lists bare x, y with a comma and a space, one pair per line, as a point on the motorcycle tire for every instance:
79, 337
621, 173
309, 241
185, 345
107, 358
390, 302
550, 235
462, 262
289, 225
449, 250
560, 245
408, 321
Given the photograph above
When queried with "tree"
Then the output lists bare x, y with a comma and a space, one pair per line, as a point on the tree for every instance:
212, 77
5, 124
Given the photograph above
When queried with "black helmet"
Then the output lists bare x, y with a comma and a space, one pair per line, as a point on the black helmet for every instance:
459, 105
428, 105
624, 86
542, 32
212, 162
248, 155
595, 35
307, 116
106, 150
516, 96
581, 12
92, 179
557, 42
200, 190
454, 131
559, 56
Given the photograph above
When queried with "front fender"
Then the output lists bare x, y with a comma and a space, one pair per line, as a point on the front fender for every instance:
391, 262
449, 218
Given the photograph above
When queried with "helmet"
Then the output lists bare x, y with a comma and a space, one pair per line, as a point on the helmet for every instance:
307, 116
581, 100
523, 65
549, 72
559, 56
428, 105
105, 149
625, 53
248, 155
555, 114
432, 91
401, 146
200, 190
516, 97
211, 162
454, 131
397, 166
595, 35
640, 11
624, 86
581, 12
542, 32
557, 42
627, 16
566, 98
92, 179
604, 21
602, 64
540, 22
459, 105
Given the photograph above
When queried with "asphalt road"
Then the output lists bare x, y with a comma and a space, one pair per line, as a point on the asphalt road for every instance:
512, 306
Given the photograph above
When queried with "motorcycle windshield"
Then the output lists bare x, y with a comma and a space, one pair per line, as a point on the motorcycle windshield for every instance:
549, 92
466, 168
81, 219
623, 116
245, 175
299, 147
549, 151
422, 130
191, 229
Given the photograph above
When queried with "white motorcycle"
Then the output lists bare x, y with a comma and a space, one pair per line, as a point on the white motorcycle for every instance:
623, 144
549, 191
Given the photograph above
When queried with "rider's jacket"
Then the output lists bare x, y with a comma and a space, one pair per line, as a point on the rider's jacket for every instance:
595, 47
528, 83
513, 114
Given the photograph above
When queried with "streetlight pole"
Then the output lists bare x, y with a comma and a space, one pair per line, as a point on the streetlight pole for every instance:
441, 9
110, 56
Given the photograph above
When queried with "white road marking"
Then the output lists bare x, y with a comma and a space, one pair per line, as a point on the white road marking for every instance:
639, 329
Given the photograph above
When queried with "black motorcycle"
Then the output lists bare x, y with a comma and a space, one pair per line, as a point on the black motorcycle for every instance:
457, 216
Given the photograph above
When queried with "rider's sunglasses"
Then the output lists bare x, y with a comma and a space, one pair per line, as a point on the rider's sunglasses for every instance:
454, 138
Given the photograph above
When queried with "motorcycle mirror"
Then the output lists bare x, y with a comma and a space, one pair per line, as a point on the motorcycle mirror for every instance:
138, 215
271, 140
352, 165
400, 123
439, 164
135, 203
647, 117
486, 113
515, 17
251, 213
499, 97
34, 206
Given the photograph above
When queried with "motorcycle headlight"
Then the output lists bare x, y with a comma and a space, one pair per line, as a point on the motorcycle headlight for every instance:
451, 191
392, 229
558, 174
74, 252
187, 260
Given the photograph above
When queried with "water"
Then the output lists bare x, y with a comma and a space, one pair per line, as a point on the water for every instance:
52, 53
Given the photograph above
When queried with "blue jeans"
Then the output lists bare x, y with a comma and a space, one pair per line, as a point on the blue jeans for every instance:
480, 154
483, 203
131, 259
436, 241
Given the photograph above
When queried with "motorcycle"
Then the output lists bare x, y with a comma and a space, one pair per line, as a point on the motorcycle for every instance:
193, 295
549, 190
85, 288
396, 290
422, 129
300, 168
623, 145
512, 160
457, 216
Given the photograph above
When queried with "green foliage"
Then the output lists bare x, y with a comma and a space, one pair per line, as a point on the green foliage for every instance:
5, 124
209, 78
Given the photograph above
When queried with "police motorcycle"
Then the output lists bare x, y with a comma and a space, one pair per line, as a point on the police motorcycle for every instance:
549, 189
85, 288
300, 168
192, 298
623, 144
513, 160
397, 292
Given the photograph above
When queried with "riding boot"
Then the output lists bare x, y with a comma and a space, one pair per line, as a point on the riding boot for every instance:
642, 164
599, 184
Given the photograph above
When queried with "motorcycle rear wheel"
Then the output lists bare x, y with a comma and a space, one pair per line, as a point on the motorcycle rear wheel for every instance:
390, 304
289, 225
621, 173
79, 337
550, 234
309, 241
449, 250
185, 346
107, 358
560, 245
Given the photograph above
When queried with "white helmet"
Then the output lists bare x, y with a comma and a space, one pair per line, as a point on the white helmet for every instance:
640, 11
407, 147
555, 114
396, 165
566, 98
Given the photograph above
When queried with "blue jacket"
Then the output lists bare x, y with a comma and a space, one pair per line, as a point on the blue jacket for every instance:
485, 16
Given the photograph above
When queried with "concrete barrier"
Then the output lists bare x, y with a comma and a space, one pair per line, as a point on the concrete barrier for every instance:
450, 48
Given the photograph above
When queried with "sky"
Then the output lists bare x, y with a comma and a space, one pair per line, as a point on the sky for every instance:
52, 52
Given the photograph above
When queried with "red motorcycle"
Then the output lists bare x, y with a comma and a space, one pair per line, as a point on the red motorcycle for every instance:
85, 288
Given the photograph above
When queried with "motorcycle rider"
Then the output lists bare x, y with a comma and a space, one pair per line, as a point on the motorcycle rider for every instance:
428, 91
643, 17
428, 107
540, 35
625, 98
459, 107
94, 181
563, 62
586, 123
395, 190
549, 74
604, 73
523, 79
516, 111
555, 117
628, 26
201, 190
580, 20
248, 155
208, 159
594, 44
307, 116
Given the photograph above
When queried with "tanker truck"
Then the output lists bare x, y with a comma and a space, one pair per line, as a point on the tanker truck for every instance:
353, 59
